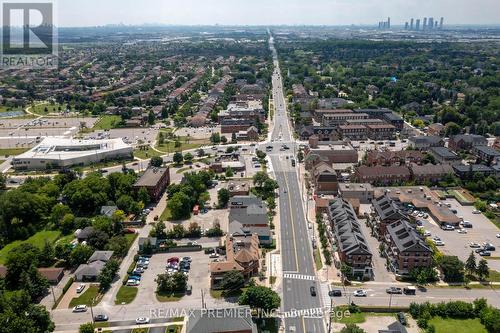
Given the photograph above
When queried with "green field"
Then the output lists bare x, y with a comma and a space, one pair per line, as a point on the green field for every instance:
147, 153
186, 143
4, 109
89, 295
46, 108
107, 122
166, 215
175, 297
12, 151
37, 240
126, 294
446, 325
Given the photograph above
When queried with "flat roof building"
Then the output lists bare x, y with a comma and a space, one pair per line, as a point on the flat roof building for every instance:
155, 181
57, 153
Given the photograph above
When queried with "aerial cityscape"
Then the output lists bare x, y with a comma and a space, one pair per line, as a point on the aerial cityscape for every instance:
212, 167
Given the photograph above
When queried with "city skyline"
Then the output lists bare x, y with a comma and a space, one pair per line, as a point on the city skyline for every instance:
259, 12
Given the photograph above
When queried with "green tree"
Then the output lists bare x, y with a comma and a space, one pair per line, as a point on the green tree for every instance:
143, 196
188, 158
352, 328
453, 268
179, 206
215, 138
178, 158
151, 118
80, 254
3, 181
229, 172
223, 196
87, 328
47, 255
119, 245
156, 161
483, 271
158, 230
260, 297
470, 264
18, 313
231, 281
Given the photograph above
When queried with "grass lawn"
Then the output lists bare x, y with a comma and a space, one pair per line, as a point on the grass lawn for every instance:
173, 329
146, 153
186, 144
219, 294
46, 108
12, 151
317, 259
130, 239
494, 276
126, 294
359, 317
107, 122
446, 325
175, 297
140, 330
166, 215
86, 298
37, 240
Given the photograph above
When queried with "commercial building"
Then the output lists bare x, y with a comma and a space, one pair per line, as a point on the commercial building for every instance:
59, 153
228, 320
248, 216
330, 153
155, 181
361, 191
325, 179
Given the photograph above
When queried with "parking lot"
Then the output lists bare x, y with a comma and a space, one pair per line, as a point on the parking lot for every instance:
131, 136
199, 277
458, 244
198, 132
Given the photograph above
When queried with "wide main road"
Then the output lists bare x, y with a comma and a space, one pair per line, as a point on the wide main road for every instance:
296, 249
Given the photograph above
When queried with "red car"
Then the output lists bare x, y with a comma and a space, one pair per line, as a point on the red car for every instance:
173, 260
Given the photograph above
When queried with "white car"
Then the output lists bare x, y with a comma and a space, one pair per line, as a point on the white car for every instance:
80, 288
133, 283
427, 233
476, 245
438, 243
475, 211
498, 235
142, 320
80, 308
360, 293
462, 231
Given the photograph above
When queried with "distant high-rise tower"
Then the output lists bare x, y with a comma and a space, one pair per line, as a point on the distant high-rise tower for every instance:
430, 23
435, 24
441, 23
417, 24
424, 27
388, 23
406, 25
411, 24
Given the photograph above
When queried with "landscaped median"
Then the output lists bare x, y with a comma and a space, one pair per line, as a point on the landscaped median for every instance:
126, 295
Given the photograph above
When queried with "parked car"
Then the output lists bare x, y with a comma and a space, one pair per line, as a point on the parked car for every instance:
438, 243
467, 224
133, 283
448, 227
485, 254
189, 289
462, 231
188, 259
427, 233
142, 320
394, 290
401, 318
475, 211
474, 245
489, 247
80, 308
101, 317
335, 293
134, 277
80, 288
360, 293
213, 255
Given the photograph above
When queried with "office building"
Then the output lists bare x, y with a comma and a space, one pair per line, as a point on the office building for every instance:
417, 24
425, 24
441, 23
406, 25
388, 23
411, 24
430, 24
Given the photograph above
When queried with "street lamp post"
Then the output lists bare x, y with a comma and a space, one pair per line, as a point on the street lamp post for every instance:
92, 310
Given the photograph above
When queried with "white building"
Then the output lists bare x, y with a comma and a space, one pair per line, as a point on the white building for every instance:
63, 153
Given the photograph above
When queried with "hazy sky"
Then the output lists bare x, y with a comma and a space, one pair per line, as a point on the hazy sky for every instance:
263, 12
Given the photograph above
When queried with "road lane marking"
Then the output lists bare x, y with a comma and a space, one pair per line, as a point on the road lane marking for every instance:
299, 276
293, 227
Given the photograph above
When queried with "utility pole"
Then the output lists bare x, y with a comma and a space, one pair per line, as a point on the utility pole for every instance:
92, 310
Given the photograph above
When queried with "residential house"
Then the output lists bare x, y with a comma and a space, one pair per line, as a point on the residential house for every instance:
251, 213
387, 158
382, 174
242, 255
353, 132
353, 250
487, 154
386, 211
108, 210
405, 249
94, 266
155, 180
83, 234
436, 129
445, 156
381, 132
469, 171
466, 142
430, 172
425, 142
325, 179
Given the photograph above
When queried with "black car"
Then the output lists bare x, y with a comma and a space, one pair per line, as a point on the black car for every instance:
335, 293
313, 291
401, 318
101, 317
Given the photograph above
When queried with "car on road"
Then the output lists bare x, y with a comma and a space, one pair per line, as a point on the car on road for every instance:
80, 288
394, 290
360, 293
485, 254
438, 243
410, 290
313, 290
448, 227
142, 320
80, 308
101, 317
335, 293
475, 211
401, 318
466, 224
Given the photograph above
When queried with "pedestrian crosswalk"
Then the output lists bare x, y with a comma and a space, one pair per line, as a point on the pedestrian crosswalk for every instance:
299, 276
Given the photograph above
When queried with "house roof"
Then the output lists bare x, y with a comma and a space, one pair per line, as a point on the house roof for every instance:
444, 152
405, 238
51, 274
235, 319
431, 139
84, 233
487, 150
383, 170
430, 169
386, 208
93, 269
101, 255
151, 177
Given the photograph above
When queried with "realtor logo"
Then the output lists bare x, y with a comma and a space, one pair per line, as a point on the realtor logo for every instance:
28, 34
